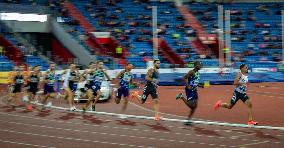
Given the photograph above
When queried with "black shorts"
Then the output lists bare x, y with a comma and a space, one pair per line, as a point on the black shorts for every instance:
33, 88
237, 96
48, 89
149, 90
72, 86
122, 92
16, 88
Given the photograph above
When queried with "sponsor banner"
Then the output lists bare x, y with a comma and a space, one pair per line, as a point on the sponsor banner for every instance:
264, 69
23, 17
4, 77
102, 37
112, 73
280, 67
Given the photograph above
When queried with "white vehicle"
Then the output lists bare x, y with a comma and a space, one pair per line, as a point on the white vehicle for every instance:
106, 89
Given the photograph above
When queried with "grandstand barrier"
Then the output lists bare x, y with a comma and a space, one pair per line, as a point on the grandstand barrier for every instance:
209, 76
4, 77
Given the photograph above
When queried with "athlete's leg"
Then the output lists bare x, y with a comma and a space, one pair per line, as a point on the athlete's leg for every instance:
90, 96
227, 105
156, 108
125, 103
118, 95
70, 97
192, 105
98, 95
249, 106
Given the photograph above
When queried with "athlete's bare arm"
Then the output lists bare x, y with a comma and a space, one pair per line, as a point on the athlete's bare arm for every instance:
149, 75
237, 79
106, 74
186, 76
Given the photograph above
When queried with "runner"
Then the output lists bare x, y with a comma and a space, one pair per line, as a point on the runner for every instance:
151, 88
49, 82
73, 78
15, 85
125, 79
33, 82
191, 81
94, 93
240, 92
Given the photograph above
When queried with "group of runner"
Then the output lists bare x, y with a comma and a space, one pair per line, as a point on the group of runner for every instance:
88, 85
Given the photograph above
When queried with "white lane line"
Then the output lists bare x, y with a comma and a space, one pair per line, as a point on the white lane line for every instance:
102, 126
270, 95
93, 132
27, 144
78, 123
237, 136
65, 138
212, 123
179, 127
273, 93
152, 111
250, 144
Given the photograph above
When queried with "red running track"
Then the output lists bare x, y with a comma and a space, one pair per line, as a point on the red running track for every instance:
58, 128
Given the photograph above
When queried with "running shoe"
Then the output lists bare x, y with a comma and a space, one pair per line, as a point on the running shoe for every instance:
94, 107
48, 105
29, 107
217, 105
135, 94
73, 108
25, 98
157, 118
251, 122
83, 110
188, 123
180, 95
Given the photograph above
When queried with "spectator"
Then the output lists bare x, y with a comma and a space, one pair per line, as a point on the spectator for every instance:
276, 57
166, 12
251, 46
118, 51
148, 7
251, 18
266, 25
175, 36
266, 38
118, 10
250, 12
262, 8
265, 32
278, 12
262, 46
1, 50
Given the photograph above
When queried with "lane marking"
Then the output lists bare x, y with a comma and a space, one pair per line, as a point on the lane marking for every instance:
27, 144
65, 138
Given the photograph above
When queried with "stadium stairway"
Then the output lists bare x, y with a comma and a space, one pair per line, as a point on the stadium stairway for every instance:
11, 51
92, 41
191, 20
169, 53
60, 53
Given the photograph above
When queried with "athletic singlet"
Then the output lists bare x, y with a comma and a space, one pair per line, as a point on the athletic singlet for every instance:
34, 79
125, 79
50, 78
242, 88
90, 76
99, 77
19, 79
155, 76
194, 80
73, 76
